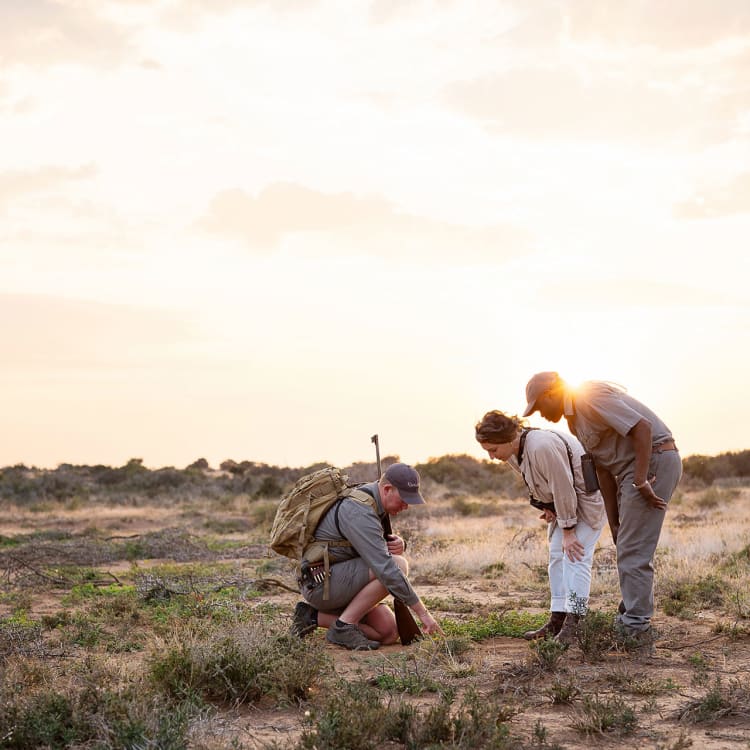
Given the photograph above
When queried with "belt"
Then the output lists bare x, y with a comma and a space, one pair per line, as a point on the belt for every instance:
668, 445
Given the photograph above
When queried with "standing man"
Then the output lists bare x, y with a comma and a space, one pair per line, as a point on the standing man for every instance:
638, 466
366, 570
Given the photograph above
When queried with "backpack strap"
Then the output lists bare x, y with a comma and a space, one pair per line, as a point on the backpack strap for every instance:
360, 496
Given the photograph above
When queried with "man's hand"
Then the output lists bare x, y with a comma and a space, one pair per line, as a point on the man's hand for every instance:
571, 545
548, 516
647, 493
395, 544
430, 624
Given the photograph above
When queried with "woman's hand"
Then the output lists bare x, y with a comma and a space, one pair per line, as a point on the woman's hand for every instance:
571, 545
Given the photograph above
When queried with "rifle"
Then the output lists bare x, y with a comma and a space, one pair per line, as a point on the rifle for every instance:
408, 630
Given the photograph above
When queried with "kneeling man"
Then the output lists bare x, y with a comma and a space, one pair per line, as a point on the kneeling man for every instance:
364, 570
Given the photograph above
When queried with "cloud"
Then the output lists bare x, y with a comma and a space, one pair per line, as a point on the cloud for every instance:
219, 6
629, 294
714, 202
660, 23
185, 14
283, 208
386, 11
626, 72
15, 184
370, 224
543, 102
51, 332
45, 32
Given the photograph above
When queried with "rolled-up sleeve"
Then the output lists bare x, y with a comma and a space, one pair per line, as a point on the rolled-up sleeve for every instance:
610, 409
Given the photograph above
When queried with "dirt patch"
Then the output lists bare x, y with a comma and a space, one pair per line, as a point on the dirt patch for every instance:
692, 657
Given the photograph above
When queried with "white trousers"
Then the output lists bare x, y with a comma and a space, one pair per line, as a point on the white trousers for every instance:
569, 581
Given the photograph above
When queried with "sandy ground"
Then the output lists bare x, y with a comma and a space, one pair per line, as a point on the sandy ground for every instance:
492, 661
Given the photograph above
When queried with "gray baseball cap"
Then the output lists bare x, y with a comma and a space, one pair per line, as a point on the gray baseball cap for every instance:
406, 480
539, 384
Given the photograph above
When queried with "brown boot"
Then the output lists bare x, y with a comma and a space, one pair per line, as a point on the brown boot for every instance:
568, 635
550, 628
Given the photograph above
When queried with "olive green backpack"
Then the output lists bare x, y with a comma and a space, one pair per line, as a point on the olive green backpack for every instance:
301, 510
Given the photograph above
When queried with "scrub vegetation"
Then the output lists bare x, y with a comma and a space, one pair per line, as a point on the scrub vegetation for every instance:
142, 609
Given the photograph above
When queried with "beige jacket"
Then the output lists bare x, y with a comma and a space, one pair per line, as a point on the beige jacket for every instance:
545, 467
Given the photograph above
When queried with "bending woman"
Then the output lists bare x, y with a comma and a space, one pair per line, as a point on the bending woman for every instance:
550, 464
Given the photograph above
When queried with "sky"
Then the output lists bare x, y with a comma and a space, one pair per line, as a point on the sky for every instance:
266, 229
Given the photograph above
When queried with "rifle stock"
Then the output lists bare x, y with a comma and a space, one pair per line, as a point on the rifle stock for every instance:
408, 630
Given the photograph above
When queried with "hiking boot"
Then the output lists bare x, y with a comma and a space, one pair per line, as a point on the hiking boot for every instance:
305, 620
568, 634
551, 628
351, 637
639, 642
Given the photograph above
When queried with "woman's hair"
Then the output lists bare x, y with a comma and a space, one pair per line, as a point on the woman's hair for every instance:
497, 427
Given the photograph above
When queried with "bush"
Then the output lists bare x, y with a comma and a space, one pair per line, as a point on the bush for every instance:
598, 716
596, 634
240, 665
467, 474
91, 716
352, 717
717, 702
684, 599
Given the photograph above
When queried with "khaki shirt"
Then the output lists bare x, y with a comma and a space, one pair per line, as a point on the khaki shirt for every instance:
546, 469
601, 416
360, 525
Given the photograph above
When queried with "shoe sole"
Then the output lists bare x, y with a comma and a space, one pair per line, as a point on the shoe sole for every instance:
354, 648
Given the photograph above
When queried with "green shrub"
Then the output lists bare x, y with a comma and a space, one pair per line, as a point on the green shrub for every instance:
465, 507
547, 652
596, 634
409, 672
46, 720
450, 603
717, 702
494, 570
352, 717
600, 715
467, 474
240, 665
684, 599
93, 717
512, 624
562, 692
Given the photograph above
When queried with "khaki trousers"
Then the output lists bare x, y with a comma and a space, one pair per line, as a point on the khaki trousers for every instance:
638, 535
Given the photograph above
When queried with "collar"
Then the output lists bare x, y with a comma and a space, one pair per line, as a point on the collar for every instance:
373, 489
522, 443
569, 409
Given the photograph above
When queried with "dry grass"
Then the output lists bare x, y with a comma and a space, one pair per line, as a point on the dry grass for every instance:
83, 618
